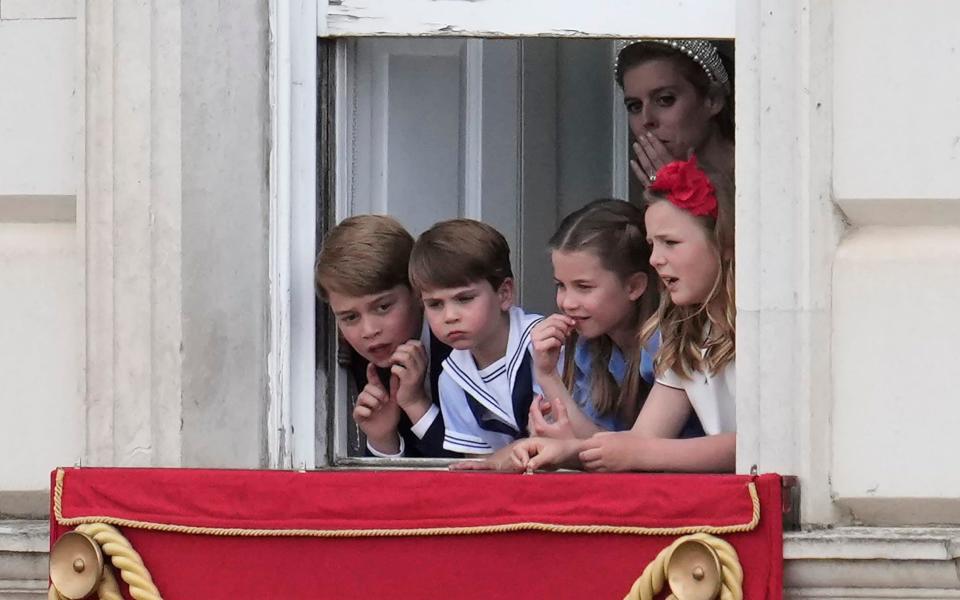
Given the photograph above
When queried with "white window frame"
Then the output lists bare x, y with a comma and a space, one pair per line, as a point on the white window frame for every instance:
291, 420
787, 225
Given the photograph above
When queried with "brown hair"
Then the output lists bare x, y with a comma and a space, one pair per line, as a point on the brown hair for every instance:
683, 348
363, 255
457, 253
636, 54
614, 231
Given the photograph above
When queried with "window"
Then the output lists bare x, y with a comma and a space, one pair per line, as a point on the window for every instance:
516, 132
788, 225
780, 382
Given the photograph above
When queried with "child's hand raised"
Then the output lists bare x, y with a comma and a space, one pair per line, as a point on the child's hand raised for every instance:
549, 419
408, 365
548, 338
377, 415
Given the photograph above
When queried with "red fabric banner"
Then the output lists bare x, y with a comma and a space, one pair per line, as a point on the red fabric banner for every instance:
358, 534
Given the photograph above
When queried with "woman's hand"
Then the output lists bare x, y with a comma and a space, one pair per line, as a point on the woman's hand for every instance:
548, 338
651, 156
549, 419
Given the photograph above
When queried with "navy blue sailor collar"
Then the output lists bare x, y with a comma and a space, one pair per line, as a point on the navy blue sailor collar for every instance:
461, 367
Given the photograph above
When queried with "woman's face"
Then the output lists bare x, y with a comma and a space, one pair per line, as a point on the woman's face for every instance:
660, 100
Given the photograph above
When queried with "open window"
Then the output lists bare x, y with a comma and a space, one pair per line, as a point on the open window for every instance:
788, 107
301, 424
514, 132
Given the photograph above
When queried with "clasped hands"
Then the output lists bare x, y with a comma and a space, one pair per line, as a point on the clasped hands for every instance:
607, 451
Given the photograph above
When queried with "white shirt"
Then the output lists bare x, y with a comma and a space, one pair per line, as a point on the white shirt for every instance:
713, 397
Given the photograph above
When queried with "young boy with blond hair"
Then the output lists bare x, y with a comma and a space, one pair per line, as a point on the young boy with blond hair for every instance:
361, 272
461, 269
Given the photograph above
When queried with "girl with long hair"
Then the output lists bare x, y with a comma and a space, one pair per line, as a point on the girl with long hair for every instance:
690, 224
605, 293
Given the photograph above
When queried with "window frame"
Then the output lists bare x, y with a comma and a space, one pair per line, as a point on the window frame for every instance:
788, 227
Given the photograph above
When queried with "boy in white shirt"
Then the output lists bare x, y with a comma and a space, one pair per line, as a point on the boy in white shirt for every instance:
461, 268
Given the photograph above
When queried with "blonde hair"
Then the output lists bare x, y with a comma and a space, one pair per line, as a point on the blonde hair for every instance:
457, 253
363, 255
614, 232
683, 347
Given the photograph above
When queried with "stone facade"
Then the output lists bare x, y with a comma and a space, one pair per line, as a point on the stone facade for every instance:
140, 188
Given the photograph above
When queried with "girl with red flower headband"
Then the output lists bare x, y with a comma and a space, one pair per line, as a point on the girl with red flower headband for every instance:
689, 222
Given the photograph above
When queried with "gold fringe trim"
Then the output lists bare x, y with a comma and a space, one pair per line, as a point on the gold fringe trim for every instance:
422, 531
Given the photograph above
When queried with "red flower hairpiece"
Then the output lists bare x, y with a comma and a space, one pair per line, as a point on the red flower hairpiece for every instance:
687, 187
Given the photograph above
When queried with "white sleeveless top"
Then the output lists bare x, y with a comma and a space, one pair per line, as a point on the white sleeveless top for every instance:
713, 397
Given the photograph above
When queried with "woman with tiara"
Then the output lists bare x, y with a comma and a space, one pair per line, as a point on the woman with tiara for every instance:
679, 101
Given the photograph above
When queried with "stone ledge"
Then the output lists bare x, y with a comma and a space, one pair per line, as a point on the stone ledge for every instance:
23, 559
873, 562
867, 543
20, 589
24, 536
849, 562
23, 505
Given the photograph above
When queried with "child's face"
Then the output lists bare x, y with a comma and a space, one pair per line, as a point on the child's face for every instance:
375, 324
600, 300
468, 317
659, 99
683, 255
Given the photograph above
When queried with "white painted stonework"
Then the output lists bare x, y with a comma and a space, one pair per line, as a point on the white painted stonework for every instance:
38, 106
896, 274
895, 345
155, 257
40, 268
40, 354
897, 126
132, 247
506, 18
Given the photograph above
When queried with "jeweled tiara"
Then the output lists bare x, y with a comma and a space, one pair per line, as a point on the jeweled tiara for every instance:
701, 52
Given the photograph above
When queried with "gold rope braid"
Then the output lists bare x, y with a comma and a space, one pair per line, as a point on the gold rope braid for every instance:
125, 558
651, 581
109, 589
423, 531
